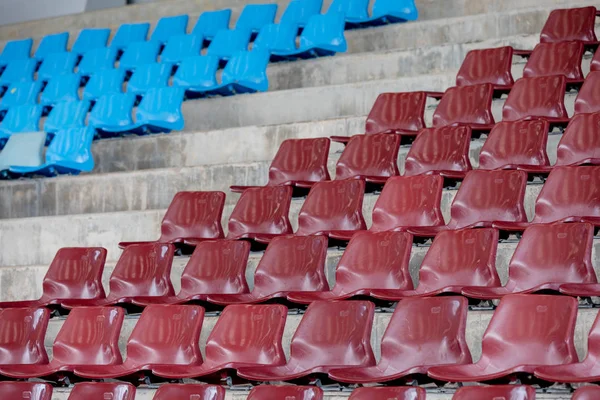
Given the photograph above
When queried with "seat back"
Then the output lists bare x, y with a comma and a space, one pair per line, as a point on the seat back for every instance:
23, 150
102, 390
369, 156
397, 113
139, 53
129, 33
113, 110
57, 64
22, 334
588, 98
16, 50
149, 76
324, 32
161, 107
280, 38
300, 160
61, 88
580, 143
516, 143
108, 81
25, 118
72, 148
97, 60
586, 393
248, 69
570, 24
89, 39
55, 43
400, 393
465, 105
486, 66
197, 73
180, 47
25, 390
20, 93
211, 22
438, 150
391, 11
536, 97
66, 115
226, 43
409, 201
512, 392
352, 9
332, 206
269, 392
20, 70
189, 391
255, 16
558, 58
166, 27
298, 12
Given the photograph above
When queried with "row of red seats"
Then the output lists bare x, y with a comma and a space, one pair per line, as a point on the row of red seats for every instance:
528, 334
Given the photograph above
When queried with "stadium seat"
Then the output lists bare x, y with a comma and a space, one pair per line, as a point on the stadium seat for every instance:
18, 71
298, 12
75, 273
261, 211
15, 50
25, 118
372, 158
595, 64
466, 105
89, 39
456, 259
102, 390
254, 16
244, 335
512, 392
67, 115
517, 145
421, 333
290, 263
298, 163
211, 22
22, 149
180, 47
139, 53
190, 391
215, 267
105, 82
57, 64
557, 58
443, 151
384, 12
142, 270
112, 113
167, 27
570, 24
21, 93
160, 111
61, 88
388, 392
525, 332
580, 143
89, 336
487, 66
25, 390
197, 75
191, 218
277, 38
55, 43
165, 335
586, 393
149, 76
97, 60
129, 33
331, 334
271, 392
22, 333
226, 43
588, 98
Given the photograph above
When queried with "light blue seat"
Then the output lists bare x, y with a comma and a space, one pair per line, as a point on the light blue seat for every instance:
61, 88
96, 60
211, 22
57, 64
160, 110
384, 11
149, 76
18, 71
169, 26
89, 39
56, 43
112, 114
255, 16
20, 93
15, 50
298, 12
197, 75
24, 149
277, 38
108, 81
226, 43
129, 33
138, 54
67, 114
180, 47
25, 118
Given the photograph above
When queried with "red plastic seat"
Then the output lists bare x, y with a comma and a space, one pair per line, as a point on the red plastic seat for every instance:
22, 333
142, 270
487, 66
189, 391
466, 105
372, 260
269, 392
165, 335
499, 392
580, 143
89, 336
290, 263
526, 332
421, 333
556, 58
333, 209
25, 390
588, 98
299, 163
443, 151
102, 390
587, 393
244, 335
456, 259
331, 334
546, 257
373, 158
191, 218
216, 267
398, 393
75, 273
517, 145
570, 24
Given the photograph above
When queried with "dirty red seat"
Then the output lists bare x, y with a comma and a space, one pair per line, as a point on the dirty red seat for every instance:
526, 332
546, 257
466, 105
373, 158
580, 143
244, 335
89, 336
75, 273
215, 267
189, 391
487, 66
421, 333
270, 392
586, 393
25, 390
22, 333
290, 263
372, 260
165, 335
498, 392
331, 334
556, 58
443, 151
102, 390
191, 218
398, 393
588, 98
456, 259
299, 163
142, 270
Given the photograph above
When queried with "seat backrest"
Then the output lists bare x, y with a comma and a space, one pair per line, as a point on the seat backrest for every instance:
512, 392
326, 32
166, 335
23, 150
89, 336
570, 24
25, 390
181, 47
409, 201
149, 76
89, 39
515, 143
211, 22
57, 64
588, 98
55, 43
72, 148
102, 390
139, 53
20, 93
300, 160
166, 27
25, 118
108, 81
570, 193
383, 392
558, 58
369, 156
189, 391
331, 206
298, 12
63, 87
66, 115
130, 33
261, 210
438, 150
466, 105
16, 50
113, 109
397, 112
270, 392
541, 96
486, 66
352, 9
162, 105
18, 71
586, 393
143, 270
580, 142
22, 334
489, 196
97, 60
228, 42
280, 38
248, 68
292, 264
255, 16
197, 73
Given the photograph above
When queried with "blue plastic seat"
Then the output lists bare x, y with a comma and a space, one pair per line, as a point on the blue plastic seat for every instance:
25, 118
15, 50
18, 71
160, 110
61, 88
298, 12
180, 47
211, 22
57, 64
384, 11
255, 16
20, 93
96, 60
139, 53
197, 75
149, 76
112, 113
169, 26
66, 115
22, 149
56, 43
226, 43
277, 38
129, 33
90, 39
108, 81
